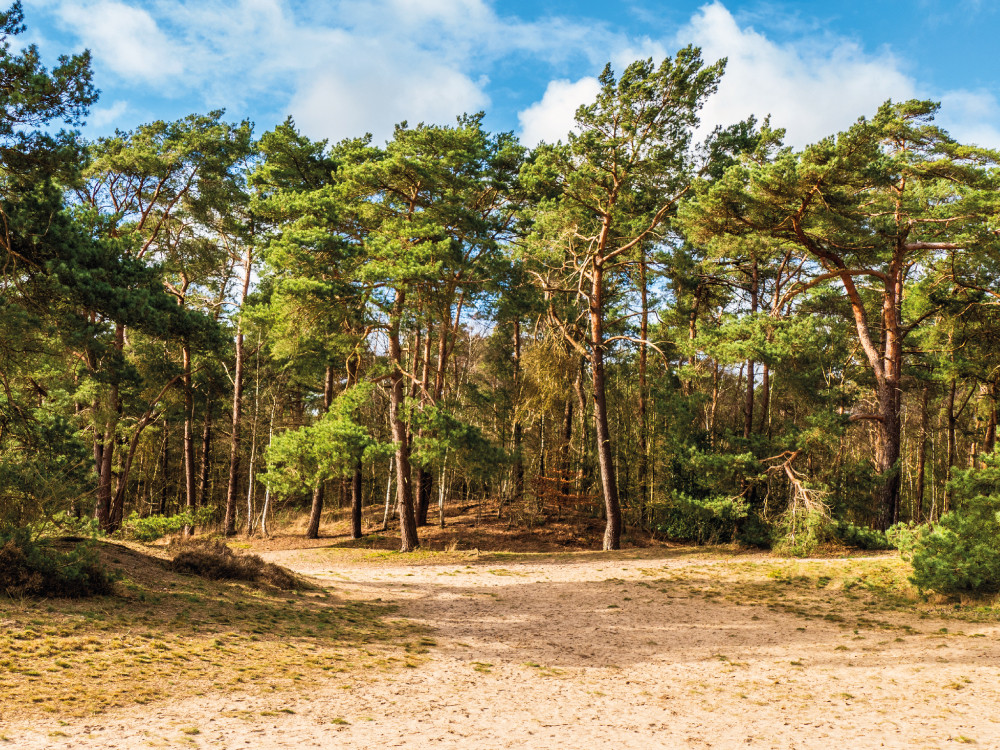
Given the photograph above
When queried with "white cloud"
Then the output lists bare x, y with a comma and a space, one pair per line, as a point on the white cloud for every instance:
126, 40
356, 96
552, 118
348, 66
969, 116
101, 117
813, 88
340, 68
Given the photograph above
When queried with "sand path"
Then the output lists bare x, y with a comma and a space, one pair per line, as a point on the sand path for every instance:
588, 654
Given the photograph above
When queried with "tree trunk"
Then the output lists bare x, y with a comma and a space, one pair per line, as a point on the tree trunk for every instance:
190, 498
581, 399
103, 451
518, 436
253, 458
425, 480
105, 475
922, 455
542, 448
952, 444
643, 354
989, 444
166, 467
751, 363
567, 437
713, 408
356, 500
312, 532
407, 518
609, 486
765, 400
233, 490
425, 485
444, 474
206, 442
688, 387
887, 455
388, 497
887, 366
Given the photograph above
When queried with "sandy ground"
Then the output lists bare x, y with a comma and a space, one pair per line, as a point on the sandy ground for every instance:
569, 653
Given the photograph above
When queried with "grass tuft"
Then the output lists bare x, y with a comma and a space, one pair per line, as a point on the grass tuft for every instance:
216, 561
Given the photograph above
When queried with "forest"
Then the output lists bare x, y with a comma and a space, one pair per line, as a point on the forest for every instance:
665, 434
699, 335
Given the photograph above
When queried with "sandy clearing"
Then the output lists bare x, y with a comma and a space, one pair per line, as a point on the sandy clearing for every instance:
627, 653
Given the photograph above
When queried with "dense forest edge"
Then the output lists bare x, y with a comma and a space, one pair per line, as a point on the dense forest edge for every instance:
670, 332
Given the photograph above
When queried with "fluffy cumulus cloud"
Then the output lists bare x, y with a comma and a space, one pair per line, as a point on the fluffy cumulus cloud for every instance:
340, 68
338, 77
351, 98
352, 66
551, 118
124, 39
812, 87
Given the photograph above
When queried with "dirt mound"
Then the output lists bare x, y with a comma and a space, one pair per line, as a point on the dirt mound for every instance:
215, 561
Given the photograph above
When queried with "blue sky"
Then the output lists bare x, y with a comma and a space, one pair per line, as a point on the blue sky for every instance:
344, 67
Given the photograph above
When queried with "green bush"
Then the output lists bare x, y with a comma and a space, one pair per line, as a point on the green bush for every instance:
800, 532
756, 531
860, 537
47, 473
151, 528
961, 553
66, 525
30, 567
702, 520
958, 555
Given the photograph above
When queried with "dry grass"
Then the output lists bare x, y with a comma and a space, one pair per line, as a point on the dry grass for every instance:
860, 592
214, 560
167, 635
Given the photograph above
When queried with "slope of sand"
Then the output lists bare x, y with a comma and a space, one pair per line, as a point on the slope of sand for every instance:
565, 651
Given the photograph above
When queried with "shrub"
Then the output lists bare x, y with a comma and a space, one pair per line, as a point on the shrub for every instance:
961, 553
756, 531
958, 555
701, 520
860, 537
799, 534
216, 561
30, 567
802, 530
67, 527
151, 528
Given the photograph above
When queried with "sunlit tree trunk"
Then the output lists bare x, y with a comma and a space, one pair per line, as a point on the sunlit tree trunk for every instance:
407, 517
643, 354
190, 496
605, 458
751, 364
233, 489
316, 510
